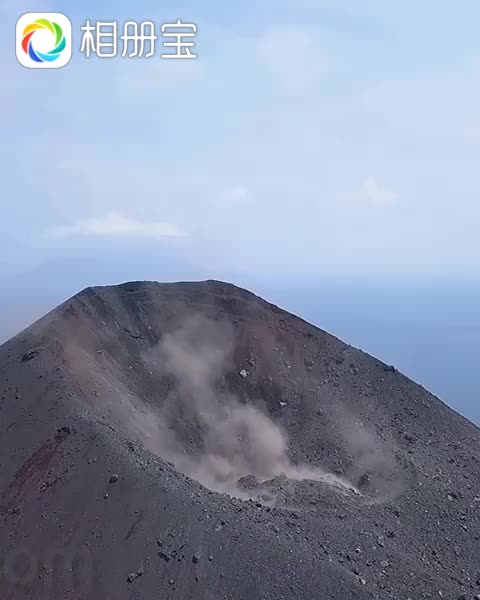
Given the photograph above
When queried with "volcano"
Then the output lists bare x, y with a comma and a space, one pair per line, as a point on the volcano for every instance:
191, 440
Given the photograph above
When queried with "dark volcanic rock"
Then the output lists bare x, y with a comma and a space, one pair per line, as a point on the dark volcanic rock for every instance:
248, 483
379, 499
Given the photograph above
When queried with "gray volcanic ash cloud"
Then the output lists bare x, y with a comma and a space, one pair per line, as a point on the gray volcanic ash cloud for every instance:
235, 440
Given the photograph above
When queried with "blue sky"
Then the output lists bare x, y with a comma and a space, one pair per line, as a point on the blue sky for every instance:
311, 140
338, 136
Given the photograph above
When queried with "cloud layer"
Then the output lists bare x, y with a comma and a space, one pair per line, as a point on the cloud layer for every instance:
377, 194
116, 225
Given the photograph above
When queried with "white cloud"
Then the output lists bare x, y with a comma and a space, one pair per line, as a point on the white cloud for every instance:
377, 194
237, 195
115, 225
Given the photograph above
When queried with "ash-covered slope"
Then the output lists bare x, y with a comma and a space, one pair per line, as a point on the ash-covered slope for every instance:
191, 440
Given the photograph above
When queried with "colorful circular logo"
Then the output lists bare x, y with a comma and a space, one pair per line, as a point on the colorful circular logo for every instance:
58, 40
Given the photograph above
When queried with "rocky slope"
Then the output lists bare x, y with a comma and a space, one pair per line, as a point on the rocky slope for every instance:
191, 440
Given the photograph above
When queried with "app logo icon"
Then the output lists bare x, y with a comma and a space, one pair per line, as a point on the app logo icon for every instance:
43, 40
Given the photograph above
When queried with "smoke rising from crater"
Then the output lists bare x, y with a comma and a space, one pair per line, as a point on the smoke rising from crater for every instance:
204, 429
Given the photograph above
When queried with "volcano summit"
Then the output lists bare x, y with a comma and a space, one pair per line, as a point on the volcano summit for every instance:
191, 440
